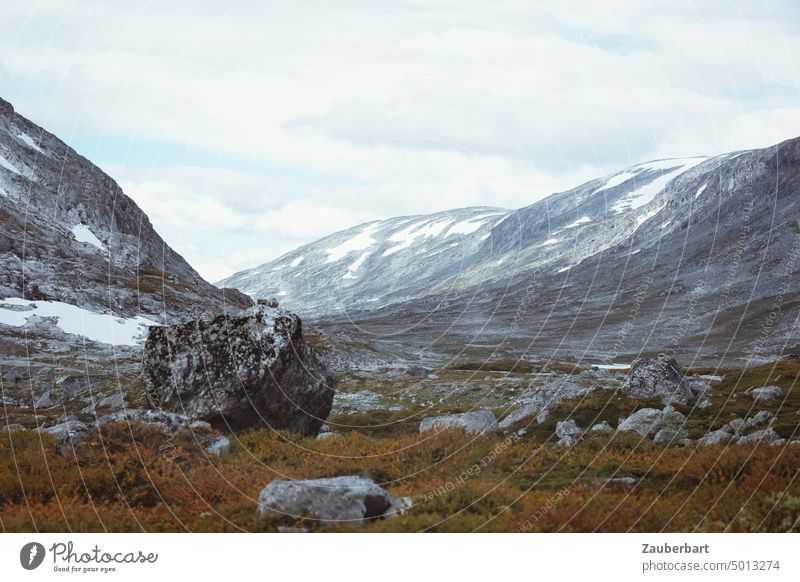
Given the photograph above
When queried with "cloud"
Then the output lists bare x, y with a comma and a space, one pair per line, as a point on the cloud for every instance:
342, 112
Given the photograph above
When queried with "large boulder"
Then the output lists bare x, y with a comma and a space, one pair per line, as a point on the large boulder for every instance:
239, 372
350, 499
472, 422
660, 377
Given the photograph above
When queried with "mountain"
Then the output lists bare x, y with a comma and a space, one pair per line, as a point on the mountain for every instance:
696, 255
82, 273
71, 235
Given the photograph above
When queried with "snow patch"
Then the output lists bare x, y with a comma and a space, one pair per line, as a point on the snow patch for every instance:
563, 269
82, 234
296, 262
9, 166
645, 194
99, 327
28, 141
355, 266
551, 241
580, 221
406, 237
467, 226
700, 191
358, 243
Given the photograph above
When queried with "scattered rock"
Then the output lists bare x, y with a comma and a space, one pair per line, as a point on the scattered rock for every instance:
566, 441
13, 427
567, 428
667, 436
219, 446
717, 437
537, 400
735, 427
349, 499
648, 421
239, 372
166, 421
660, 377
472, 422
766, 393
68, 434
767, 435
324, 436
602, 427
760, 418
355, 402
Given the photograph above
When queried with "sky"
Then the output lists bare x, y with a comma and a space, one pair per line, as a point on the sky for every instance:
245, 129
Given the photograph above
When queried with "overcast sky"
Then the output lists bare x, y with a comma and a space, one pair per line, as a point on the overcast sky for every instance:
245, 129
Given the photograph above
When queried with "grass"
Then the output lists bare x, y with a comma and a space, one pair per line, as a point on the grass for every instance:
136, 478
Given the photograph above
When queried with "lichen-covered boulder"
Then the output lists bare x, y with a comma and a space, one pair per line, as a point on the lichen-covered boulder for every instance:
659, 377
348, 499
239, 372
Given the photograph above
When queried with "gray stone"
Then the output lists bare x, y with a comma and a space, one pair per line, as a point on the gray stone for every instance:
667, 436
735, 427
648, 421
324, 436
239, 372
347, 499
766, 393
219, 446
767, 435
472, 422
13, 427
566, 441
602, 427
68, 434
760, 418
567, 428
399, 507
160, 419
660, 377
717, 437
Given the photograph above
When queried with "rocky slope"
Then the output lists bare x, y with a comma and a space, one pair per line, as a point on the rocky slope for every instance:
697, 256
82, 271
71, 235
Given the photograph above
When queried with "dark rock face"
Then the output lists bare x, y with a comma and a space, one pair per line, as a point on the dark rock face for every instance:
240, 372
659, 377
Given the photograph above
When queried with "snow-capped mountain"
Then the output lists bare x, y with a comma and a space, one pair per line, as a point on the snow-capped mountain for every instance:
374, 264
71, 235
384, 262
673, 252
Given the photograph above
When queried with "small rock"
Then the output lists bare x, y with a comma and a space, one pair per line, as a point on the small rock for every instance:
68, 434
766, 393
767, 435
324, 436
13, 427
666, 436
735, 427
472, 422
760, 418
566, 441
717, 437
602, 427
349, 499
219, 446
287, 529
648, 421
567, 428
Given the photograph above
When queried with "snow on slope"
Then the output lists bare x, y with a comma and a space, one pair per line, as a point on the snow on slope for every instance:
82, 233
98, 327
